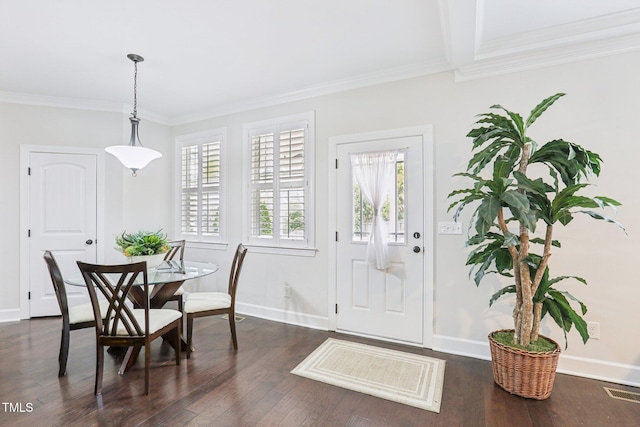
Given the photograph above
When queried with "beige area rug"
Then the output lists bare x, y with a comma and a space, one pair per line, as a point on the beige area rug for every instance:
401, 377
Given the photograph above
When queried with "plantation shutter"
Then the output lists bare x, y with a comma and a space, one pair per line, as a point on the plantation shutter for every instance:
278, 185
200, 187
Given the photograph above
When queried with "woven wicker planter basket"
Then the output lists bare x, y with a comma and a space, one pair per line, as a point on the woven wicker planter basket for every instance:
524, 373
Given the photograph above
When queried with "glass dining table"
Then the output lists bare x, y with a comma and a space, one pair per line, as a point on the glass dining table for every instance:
165, 279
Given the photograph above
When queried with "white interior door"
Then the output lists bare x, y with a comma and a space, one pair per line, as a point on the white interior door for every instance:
62, 219
390, 303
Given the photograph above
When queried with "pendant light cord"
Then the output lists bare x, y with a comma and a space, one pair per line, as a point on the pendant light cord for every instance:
135, 89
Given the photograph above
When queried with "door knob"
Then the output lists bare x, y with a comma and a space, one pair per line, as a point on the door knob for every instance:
89, 242
416, 249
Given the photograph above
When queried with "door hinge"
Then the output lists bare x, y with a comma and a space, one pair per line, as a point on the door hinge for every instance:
336, 308
29, 171
29, 233
29, 295
336, 163
336, 236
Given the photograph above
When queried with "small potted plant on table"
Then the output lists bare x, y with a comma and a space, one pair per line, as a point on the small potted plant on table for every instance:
143, 246
511, 207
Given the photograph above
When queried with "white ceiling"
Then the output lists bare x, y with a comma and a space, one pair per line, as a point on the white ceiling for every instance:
209, 57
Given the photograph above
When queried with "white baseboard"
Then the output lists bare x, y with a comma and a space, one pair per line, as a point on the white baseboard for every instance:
284, 316
11, 315
578, 366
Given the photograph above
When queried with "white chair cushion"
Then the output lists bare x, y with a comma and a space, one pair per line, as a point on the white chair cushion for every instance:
208, 295
84, 312
158, 319
205, 301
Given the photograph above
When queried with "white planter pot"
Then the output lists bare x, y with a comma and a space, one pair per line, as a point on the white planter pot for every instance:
152, 260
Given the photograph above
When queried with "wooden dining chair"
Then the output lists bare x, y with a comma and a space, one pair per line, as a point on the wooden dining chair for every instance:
125, 326
176, 249
73, 318
201, 304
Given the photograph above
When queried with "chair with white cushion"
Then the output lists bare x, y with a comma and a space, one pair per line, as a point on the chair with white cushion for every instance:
126, 326
200, 304
73, 318
176, 250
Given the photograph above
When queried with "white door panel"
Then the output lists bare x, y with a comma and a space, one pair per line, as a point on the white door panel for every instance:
62, 219
389, 303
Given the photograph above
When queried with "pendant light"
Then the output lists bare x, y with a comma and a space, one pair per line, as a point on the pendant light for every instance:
134, 156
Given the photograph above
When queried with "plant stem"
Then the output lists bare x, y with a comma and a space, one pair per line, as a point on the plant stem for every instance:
524, 332
517, 310
537, 314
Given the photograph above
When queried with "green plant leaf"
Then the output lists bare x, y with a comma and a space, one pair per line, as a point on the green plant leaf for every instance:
571, 314
555, 311
536, 186
515, 200
511, 289
542, 107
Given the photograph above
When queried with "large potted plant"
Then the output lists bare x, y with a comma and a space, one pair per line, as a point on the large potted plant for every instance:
511, 233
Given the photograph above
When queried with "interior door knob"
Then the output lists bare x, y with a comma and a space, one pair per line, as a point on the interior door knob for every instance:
89, 242
416, 249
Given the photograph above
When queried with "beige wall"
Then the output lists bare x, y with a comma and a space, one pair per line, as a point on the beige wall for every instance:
599, 112
46, 126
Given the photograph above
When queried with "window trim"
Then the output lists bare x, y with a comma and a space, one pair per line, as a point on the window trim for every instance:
277, 246
200, 138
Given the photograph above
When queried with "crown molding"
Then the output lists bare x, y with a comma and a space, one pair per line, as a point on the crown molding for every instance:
59, 102
370, 79
605, 27
548, 57
79, 104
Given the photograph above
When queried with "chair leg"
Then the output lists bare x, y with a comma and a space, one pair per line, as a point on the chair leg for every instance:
147, 366
232, 325
64, 351
178, 341
99, 365
180, 301
189, 333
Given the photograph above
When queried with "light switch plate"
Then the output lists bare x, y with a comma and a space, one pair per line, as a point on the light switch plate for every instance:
449, 228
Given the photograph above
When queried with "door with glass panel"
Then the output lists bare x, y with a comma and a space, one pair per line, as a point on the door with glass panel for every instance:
375, 298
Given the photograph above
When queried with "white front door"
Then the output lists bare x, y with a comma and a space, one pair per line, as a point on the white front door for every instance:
63, 219
388, 304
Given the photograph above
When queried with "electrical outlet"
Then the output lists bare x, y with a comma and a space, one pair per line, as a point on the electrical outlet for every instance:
593, 328
449, 228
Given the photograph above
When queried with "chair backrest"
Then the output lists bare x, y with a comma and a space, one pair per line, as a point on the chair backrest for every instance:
58, 284
175, 248
114, 283
236, 267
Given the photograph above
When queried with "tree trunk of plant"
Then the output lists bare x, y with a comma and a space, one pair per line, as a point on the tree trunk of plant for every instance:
537, 317
524, 334
537, 313
523, 329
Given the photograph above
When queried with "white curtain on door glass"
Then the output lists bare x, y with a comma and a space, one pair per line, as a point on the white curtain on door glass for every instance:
375, 174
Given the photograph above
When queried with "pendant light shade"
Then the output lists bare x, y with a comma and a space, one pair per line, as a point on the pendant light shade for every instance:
134, 156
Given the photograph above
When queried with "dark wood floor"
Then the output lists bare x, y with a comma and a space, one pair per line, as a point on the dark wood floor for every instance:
253, 386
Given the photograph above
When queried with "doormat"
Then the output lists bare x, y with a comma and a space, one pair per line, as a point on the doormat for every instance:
401, 377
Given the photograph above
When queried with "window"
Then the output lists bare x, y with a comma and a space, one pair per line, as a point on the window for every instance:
392, 210
280, 175
200, 215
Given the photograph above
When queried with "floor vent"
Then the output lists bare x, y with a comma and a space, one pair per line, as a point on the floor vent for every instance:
238, 318
623, 395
